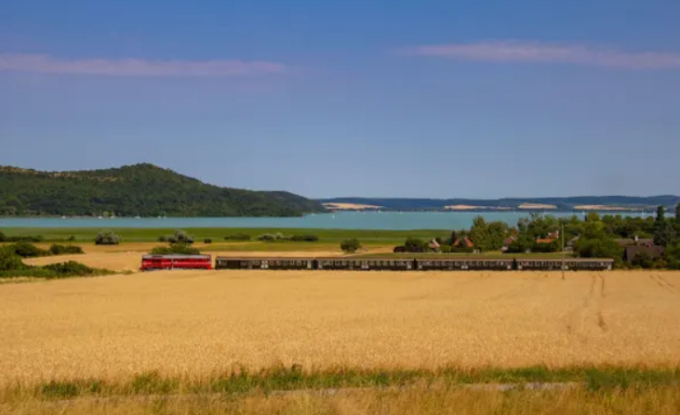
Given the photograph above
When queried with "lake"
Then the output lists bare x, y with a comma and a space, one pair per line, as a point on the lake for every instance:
338, 220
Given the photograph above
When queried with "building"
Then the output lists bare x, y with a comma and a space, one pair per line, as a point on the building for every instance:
652, 252
624, 242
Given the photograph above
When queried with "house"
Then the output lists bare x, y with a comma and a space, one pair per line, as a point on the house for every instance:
652, 252
464, 242
434, 245
508, 241
624, 242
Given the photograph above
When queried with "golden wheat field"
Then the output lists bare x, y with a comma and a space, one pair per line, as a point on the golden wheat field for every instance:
198, 322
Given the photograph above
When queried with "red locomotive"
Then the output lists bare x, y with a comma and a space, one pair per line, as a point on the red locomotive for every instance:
154, 262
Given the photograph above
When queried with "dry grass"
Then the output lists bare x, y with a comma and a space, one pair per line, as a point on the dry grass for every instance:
435, 401
195, 323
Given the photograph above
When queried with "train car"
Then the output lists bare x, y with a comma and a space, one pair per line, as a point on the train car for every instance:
264, 263
463, 264
175, 261
573, 264
365, 264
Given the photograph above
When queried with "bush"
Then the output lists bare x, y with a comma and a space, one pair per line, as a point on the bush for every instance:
445, 249
304, 238
2, 237
27, 250
399, 249
57, 249
71, 238
178, 248
462, 249
107, 238
10, 261
350, 245
70, 268
237, 237
546, 247
415, 245
643, 260
271, 237
207, 241
182, 237
25, 238
164, 238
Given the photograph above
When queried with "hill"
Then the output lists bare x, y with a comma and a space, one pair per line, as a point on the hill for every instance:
138, 190
613, 203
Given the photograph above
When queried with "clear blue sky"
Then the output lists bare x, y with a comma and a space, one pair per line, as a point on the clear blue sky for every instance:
428, 98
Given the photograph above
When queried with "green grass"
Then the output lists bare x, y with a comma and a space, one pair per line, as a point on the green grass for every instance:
385, 237
295, 378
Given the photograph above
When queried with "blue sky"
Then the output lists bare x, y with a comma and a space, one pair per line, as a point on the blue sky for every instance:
429, 98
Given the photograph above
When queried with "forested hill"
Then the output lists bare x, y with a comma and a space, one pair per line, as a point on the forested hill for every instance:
138, 190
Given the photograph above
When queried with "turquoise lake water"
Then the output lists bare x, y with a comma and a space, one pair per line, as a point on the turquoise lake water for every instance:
339, 220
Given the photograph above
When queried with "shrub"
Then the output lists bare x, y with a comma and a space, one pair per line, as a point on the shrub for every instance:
237, 237
164, 238
10, 261
271, 237
2, 237
107, 238
304, 238
462, 249
178, 248
71, 238
350, 245
57, 249
415, 245
70, 268
182, 237
445, 249
207, 241
25, 238
27, 250
399, 249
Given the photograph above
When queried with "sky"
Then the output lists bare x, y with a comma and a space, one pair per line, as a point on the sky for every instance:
428, 98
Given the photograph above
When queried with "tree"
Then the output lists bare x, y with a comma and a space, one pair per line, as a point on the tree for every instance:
107, 238
677, 218
479, 233
453, 238
599, 248
664, 234
415, 245
350, 245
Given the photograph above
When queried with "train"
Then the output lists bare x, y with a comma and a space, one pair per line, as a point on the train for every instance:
165, 262
174, 261
413, 264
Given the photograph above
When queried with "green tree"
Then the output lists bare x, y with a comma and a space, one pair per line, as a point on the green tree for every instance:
9, 261
479, 233
350, 245
107, 238
599, 248
415, 245
664, 233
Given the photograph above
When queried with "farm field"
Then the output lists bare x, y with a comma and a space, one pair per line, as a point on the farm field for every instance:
197, 323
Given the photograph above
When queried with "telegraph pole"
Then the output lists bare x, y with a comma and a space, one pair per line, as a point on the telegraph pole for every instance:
562, 232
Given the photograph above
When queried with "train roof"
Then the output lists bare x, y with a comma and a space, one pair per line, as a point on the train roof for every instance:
265, 258
175, 256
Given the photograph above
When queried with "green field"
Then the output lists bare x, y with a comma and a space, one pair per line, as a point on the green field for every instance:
335, 236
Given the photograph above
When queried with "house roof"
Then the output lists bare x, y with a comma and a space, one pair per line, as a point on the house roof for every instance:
545, 240
434, 244
468, 242
631, 242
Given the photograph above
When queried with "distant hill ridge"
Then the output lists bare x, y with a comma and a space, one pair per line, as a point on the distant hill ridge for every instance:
613, 203
136, 190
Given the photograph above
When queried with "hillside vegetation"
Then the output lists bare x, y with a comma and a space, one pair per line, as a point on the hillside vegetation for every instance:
138, 190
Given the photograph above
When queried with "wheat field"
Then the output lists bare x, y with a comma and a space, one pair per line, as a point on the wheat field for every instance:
199, 322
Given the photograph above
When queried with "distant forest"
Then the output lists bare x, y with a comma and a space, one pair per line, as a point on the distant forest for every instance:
138, 190
561, 203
